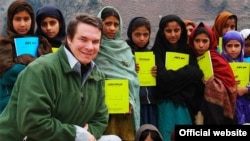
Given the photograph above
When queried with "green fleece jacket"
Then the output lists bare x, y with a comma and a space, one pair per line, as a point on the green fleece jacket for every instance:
48, 99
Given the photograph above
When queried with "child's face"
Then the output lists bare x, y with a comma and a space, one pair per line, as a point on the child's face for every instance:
189, 29
233, 48
247, 47
110, 26
229, 25
22, 22
201, 43
172, 32
50, 27
140, 36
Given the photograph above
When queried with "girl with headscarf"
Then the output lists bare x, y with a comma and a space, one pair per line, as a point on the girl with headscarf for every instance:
141, 44
20, 23
238, 53
190, 25
138, 33
233, 51
220, 93
51, 25
148, 131
245, 33
224, 22
116, 61
178, 91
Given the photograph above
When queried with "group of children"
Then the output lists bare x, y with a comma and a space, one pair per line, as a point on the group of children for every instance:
183, 96
21, 21
179, 95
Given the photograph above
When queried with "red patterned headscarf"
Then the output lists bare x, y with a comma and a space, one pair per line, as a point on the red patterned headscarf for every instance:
222, 72
221, 68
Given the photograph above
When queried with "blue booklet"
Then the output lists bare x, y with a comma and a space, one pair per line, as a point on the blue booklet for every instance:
26, 45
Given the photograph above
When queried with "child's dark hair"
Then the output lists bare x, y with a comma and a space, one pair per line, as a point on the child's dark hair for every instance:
153, 134
201, 29
248, 37
109, 12
234, 17
138, 22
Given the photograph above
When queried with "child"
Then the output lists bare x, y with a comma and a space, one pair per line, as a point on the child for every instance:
220, 90
245, 33
224, 22
138, 33
178, 91
233, 51
116, 61
190, 25
148, 132
20, 23
51, 25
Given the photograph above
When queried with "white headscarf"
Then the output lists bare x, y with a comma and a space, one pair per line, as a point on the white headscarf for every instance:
245, 33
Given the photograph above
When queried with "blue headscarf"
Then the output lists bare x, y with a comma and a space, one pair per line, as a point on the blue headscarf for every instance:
233, 35
51, 11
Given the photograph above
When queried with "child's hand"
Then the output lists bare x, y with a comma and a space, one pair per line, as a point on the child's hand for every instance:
137, 68
204, 81
24, 59
242, 91
237, 81
154, 71
130, 109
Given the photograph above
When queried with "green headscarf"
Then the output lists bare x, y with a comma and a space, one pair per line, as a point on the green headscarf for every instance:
116, 61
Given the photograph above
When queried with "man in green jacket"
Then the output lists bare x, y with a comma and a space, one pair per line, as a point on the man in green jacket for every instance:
60, 96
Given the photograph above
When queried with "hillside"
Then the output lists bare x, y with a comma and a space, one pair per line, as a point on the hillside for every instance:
196, 10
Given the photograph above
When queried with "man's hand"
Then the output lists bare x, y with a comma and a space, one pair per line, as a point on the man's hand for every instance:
90, 136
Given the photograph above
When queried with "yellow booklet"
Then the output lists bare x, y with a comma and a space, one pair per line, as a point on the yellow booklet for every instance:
117, 96
176, 60
241, 72
220, 45
54, 49
206, 65
146, 61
